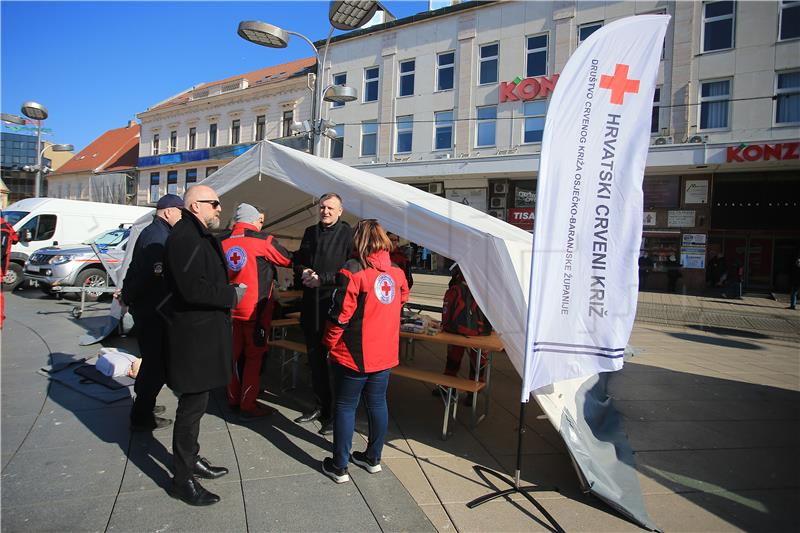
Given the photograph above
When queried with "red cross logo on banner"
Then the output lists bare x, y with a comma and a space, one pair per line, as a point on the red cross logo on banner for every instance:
236, 258
619, 84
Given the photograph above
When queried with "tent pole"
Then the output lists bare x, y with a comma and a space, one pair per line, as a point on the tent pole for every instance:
515, 483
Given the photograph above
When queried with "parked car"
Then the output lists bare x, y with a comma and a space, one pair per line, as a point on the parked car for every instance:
41, 222
78, 265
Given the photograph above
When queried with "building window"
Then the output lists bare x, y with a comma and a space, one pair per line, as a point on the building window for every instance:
445, 70
339, 79
488, 63
790, 20
405, 130
536, 56
371, 76
192, 144
156, 142
406, 78
714, 104
236, 130
191, 176
172, 182
787, 98
261, 127
337, 144
212, 135
718, 23
535, 113
655, 127
173, 141
486, 126
443, 131
585, 30
369, 137
288, 118
210, 170
155, 180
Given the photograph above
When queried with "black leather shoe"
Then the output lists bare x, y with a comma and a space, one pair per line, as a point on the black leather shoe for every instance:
309, 416
150, 425
203, 469
327, 427
192, 492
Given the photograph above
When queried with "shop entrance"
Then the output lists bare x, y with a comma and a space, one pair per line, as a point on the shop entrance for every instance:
762, 261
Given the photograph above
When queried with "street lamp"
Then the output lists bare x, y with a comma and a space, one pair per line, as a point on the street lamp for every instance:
38, 112
13, 119
38, 167
344, 14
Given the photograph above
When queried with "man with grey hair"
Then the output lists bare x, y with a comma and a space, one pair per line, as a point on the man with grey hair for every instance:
198, 331
251, 256
324, 249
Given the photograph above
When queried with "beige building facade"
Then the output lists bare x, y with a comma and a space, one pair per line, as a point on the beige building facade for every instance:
454, 101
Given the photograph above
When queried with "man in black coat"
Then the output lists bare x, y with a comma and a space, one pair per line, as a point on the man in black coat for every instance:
198, 332
325, 247
143, 290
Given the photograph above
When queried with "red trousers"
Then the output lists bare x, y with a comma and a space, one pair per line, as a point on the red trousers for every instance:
453, 364
243, 389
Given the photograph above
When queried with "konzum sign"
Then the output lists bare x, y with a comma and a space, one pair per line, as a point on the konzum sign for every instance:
527, 89
763, 152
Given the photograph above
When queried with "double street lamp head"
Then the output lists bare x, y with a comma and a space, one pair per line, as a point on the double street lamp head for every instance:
351, 14
12, 119
60, 147
339, 94
34, 110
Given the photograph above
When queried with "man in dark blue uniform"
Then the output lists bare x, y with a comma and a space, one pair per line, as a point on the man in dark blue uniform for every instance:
143, 290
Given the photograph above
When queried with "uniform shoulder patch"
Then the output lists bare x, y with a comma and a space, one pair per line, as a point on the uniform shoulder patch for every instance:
236, 258
384, 288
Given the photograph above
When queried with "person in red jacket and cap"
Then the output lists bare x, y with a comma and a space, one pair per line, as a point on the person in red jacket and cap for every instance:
9, 238
251, 256
363, 336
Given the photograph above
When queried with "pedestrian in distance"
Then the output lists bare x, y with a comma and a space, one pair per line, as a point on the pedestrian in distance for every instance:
399, 258
251, 256
198, 326
363, 336
323, 250
794, 282
143, 290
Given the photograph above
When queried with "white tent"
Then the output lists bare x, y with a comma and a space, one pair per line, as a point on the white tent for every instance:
494, 256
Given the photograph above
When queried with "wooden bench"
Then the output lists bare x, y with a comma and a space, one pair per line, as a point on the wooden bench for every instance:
449, 387
294, 349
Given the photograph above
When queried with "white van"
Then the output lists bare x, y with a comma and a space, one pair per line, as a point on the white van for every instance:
42, 222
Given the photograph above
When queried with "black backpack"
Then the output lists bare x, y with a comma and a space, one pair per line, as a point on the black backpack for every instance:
461, 314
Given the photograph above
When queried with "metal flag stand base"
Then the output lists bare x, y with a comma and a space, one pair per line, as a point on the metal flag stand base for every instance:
515, 486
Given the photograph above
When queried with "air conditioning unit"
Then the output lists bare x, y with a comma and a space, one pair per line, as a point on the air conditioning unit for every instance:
500, 188
497, 202
664, 140
696, 139
498, 213
436, 188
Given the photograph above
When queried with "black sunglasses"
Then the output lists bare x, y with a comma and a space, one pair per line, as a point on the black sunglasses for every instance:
214, 203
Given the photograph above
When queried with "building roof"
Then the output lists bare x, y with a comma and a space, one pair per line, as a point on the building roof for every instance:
114, 150
259, 77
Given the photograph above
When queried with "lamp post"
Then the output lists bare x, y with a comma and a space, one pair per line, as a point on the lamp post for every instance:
343, 14
38, 112
38, 168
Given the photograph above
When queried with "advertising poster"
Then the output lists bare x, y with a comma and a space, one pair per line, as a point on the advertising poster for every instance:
472, 197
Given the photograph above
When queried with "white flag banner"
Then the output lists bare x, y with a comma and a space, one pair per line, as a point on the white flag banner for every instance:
584, 275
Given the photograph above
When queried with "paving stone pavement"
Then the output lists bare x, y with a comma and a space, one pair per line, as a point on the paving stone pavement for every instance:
710, 401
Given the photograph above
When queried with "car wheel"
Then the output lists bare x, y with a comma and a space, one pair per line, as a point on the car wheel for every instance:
91, 277
13, 277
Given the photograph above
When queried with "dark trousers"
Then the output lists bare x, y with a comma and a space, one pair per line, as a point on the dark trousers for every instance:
318, 360
453, 363
185, 446
151, 377
351, 386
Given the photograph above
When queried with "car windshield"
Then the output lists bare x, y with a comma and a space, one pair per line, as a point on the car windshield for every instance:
110, 238
12, 217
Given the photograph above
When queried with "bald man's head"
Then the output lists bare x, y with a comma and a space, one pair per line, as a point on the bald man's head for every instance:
202, 201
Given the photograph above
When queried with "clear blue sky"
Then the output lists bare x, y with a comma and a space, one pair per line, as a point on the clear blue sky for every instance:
94, 65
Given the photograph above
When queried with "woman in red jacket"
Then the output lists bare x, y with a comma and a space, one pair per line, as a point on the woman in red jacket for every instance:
363, 334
